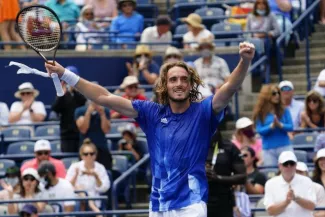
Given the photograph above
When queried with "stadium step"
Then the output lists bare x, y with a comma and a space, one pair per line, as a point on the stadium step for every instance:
316, 59
314, 43
313, 51
319, 28
300, 69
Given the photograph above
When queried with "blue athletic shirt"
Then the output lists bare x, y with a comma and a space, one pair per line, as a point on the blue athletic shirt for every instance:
178, 146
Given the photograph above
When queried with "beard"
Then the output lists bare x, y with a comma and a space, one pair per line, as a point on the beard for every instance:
180, 100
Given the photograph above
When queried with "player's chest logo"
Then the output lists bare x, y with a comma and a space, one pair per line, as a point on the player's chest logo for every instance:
164, 120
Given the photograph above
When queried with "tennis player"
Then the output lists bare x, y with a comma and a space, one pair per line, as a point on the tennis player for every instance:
178, 130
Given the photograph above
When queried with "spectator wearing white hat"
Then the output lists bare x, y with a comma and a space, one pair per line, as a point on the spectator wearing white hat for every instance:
130, 85
129, 141
302, 169
29, 189
289, 194
319, 169
27, 110
245, 136
42, 150
196, 31
172, 54
287, 97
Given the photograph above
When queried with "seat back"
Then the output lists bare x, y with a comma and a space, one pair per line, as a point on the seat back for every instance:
48, 130
120, 163
69, 160
301, 155
24, 147
16, 132
304, 138
269, 172
209, 12
4, 165
56, 146
181, 29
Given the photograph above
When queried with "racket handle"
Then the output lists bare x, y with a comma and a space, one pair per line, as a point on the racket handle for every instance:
57, 84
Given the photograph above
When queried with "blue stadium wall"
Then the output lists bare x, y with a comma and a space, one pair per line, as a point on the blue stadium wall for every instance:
107, 71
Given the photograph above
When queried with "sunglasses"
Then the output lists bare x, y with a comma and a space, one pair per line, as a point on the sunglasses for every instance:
88, 153
39, 153
244, 155
289, 163
25, 214
132, 86
274, 93
26, 93
286, 88
313, 100
89, 14
29, 178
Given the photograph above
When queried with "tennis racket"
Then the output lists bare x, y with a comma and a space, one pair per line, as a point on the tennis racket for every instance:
40, 28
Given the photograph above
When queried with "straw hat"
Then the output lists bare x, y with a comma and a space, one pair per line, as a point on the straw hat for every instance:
142, 49
173, 51
26, 87
194, 20
206, 41
129, 80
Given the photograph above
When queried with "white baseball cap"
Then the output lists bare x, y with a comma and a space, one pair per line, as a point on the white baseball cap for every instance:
301, 166
287, 156
42, 145
32, 172
129, 80
320, 153
243, 123
286, 84
130, 128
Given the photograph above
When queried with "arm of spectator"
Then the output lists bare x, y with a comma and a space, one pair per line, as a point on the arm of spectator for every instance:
150, 77
36, 117
307, 201
306, 204
305, 121
278, 208
103, 177
105, 123
275, 31
262, 128
254, 188
284, 5
17, 109
83, 122
225, 93
12, 207
321, 83
287, 124
72, 174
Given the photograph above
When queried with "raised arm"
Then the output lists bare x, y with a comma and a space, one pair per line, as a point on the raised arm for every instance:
94, 92
225, 93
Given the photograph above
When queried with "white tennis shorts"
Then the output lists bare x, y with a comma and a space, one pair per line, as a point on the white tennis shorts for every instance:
194, 210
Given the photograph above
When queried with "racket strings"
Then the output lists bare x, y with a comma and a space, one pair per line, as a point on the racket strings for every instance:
39, 28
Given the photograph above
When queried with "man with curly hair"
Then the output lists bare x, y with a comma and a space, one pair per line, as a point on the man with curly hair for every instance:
178, 130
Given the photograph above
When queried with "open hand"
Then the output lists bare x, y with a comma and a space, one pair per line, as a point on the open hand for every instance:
246, 51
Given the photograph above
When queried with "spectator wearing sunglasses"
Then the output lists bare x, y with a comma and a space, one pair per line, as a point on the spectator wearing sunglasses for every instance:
56, 188
313, 115
130, 85
289, 194
143, 66
27, 110
89, 175
273, 122
42, 150
29, 189
28, 210
255, 180
287, 97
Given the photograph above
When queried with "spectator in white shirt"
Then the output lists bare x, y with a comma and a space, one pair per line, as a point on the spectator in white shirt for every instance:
160, 33
196, 31
295, 107
320, 83
4, 113
289, 194
27, 110
56, 188
89, 175
213, 70
302, 169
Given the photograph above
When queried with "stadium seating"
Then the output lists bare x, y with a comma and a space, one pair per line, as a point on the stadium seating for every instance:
304, 138
269, 172
56, 146
4, 164
24, 147
209, 15
301, 155
16, 132
47, 131
117, 128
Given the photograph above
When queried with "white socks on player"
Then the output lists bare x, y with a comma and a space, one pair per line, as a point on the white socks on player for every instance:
70, 78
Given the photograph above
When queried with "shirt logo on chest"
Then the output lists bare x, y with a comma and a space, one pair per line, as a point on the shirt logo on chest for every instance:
164, 120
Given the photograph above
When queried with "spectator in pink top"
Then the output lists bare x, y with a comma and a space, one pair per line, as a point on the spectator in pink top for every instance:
42, 150
104, 8
245, 136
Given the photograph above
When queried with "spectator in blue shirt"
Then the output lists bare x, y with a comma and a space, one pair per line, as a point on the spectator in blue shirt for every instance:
143, 66
273, 122
129, 23
65, 9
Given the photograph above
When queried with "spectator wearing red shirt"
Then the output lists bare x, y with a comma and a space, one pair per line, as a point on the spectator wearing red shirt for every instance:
42, 150
130, 85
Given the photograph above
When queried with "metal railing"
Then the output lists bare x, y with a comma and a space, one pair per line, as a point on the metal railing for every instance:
303, 18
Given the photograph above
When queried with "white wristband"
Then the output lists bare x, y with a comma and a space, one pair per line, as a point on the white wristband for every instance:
70, 78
